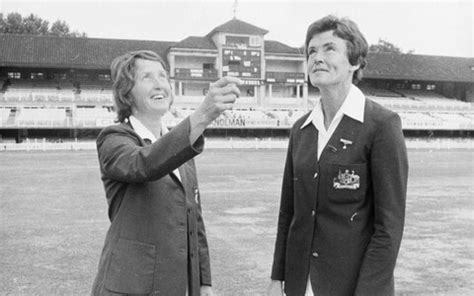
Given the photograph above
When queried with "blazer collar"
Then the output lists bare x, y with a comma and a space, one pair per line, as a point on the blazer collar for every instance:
353, 106
143, 131
346, 132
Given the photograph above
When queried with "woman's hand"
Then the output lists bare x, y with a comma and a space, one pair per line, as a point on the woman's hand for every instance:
206, 291
275, 288
220, 97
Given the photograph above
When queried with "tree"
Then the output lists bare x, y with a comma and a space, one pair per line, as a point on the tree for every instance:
34, 25
386, 46
59, 28
14, 23
2, 23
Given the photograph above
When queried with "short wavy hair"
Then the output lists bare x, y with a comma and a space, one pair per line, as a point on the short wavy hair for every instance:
123, 70
348, 30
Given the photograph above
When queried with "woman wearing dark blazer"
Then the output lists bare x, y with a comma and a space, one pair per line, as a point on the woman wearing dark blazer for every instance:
344, 187
156, 243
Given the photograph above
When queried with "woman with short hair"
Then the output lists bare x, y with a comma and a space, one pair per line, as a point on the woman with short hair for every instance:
343, 196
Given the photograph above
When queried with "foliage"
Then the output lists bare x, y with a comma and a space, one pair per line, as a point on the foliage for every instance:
386, 46
14, 23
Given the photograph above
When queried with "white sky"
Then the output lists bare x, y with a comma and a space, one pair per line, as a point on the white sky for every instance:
427, 27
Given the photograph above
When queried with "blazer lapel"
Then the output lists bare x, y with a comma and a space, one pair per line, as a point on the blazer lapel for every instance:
181, 169
306, 159
182, 174
308, 147
343, 136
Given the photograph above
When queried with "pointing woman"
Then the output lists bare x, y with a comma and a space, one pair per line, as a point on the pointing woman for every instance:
156, 243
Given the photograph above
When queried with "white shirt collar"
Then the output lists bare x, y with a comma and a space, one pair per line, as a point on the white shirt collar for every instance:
143, 131
353, 106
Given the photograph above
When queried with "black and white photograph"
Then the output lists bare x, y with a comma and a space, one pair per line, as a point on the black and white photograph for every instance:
237, 147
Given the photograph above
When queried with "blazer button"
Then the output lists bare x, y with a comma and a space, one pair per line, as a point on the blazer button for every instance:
313, 213
315, 175
315, 255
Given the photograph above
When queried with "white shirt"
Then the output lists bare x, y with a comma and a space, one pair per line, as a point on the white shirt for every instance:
353, 106
145, 133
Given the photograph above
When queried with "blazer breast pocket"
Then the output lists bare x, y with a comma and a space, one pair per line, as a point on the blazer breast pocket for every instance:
131, 268
347, 182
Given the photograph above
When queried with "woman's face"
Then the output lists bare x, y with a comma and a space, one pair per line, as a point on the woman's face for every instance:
328, 61
152, 95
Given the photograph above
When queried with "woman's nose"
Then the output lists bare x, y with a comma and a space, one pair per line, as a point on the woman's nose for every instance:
158, 82
317, 57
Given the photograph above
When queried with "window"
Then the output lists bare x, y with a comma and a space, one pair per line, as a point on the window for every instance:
37, 75
229, 40
14, 75
104, 77
400, 86
208, 66
430, 87
60, 76
82, 76
255, 41
416, 86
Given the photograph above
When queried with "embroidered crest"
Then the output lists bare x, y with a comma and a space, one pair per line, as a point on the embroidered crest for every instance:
346, 180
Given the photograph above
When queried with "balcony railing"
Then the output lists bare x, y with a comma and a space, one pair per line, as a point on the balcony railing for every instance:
285, 77
195, 73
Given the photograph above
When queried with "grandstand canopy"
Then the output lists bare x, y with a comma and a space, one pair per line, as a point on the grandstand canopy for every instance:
419, 67
272, 46
196, 42
67, 52
94, 53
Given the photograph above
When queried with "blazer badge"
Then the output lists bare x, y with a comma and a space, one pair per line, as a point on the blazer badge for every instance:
346, 180
196, 195
345, 143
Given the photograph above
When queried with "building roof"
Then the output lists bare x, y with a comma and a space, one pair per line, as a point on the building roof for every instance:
272, 46
419, 67
95, 53
67, 52
195, 42
238, 27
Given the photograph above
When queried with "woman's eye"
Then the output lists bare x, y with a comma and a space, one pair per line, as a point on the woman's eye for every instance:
153, 77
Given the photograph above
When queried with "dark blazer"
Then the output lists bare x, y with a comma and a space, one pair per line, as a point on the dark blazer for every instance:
346, 236
157, 236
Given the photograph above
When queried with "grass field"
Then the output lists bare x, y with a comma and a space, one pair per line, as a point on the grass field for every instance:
53, 220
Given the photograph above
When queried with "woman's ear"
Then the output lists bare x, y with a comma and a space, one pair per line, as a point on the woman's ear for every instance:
355, 67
